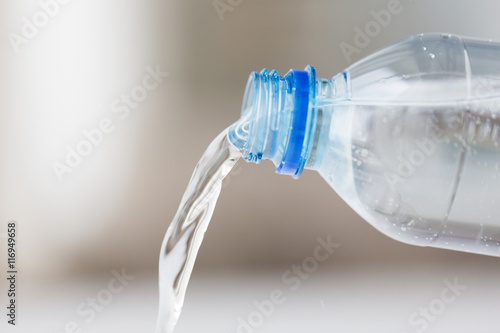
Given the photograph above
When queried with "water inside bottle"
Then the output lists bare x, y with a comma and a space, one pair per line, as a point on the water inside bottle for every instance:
423, 173
185, 234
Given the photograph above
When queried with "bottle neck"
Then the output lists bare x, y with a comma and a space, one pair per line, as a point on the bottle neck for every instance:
279, 119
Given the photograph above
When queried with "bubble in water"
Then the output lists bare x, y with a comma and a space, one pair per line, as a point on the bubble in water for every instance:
396, 131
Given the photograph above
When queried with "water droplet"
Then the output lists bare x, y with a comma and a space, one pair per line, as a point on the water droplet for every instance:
432, 55
424, 48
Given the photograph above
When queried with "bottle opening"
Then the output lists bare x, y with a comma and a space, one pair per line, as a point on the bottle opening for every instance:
277, 119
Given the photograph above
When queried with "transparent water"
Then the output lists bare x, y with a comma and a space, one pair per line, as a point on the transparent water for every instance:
423, 173
185, 234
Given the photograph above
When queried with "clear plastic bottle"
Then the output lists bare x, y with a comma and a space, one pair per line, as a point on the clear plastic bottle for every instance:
409, 137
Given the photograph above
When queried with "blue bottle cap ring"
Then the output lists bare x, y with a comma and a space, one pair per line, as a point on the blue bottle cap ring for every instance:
299, 83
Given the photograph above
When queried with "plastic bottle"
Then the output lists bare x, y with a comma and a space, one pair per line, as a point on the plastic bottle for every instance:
409, 137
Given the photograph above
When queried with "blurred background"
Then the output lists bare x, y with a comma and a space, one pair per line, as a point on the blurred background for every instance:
67, 71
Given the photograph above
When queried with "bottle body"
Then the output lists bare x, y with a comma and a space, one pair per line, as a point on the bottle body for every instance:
414, 173
410, 138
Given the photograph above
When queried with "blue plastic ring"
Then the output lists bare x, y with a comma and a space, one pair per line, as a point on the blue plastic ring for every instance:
291, 160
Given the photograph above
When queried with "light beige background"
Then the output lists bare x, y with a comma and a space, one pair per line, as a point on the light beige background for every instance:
111, 212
